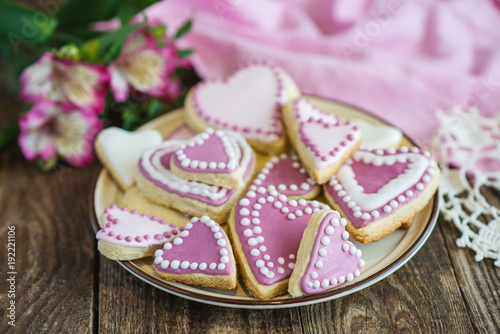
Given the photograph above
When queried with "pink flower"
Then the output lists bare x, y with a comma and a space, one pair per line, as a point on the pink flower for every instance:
61, 80
142, 65
51, 130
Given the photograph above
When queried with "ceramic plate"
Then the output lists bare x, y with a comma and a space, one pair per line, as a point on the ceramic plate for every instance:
382, 258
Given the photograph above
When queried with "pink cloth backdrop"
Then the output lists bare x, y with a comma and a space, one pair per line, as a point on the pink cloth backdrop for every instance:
401, 60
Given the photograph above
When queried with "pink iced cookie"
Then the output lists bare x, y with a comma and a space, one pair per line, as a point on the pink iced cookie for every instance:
201, 255
380, 190
248, 102
213, 157
156, 181
128, 235
286, 175
182, 132
322, 141
266, 229
326, 258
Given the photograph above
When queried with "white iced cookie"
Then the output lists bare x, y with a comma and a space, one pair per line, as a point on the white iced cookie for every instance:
378, 136
248, 102
119, 151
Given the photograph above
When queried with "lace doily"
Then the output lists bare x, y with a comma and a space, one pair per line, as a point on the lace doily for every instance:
467, 148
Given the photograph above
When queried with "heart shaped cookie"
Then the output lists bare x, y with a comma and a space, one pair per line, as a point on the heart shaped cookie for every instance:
321, 140
248, 102
378, 136
201, 255
156, 181
119, 150
266, 229
381, 190
286, 175
126, 235
325, 258
213, 157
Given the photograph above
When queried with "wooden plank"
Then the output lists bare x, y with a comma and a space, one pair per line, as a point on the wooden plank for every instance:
128, 305
421, 297
479, 283
54, 249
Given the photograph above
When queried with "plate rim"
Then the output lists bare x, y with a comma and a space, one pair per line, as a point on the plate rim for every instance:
291, 302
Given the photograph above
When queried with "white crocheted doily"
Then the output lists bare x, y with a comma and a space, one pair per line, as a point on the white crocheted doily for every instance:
467, 148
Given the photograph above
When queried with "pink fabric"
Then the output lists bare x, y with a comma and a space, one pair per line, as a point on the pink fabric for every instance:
401, 60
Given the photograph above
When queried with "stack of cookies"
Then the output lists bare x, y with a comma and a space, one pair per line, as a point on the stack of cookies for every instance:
260, 183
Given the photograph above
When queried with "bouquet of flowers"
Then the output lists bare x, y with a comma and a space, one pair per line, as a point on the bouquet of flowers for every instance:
82, 78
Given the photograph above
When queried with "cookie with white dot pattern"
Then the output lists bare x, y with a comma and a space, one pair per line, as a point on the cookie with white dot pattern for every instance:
213, 157
128, 235
286, 175
379, 190
200, 255
325, 258
322, 141
266, 228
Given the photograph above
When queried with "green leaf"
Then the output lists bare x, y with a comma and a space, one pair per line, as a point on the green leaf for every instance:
9, 134
129, 8
21, 25
184, 53
155, 108
83, 12
184, 29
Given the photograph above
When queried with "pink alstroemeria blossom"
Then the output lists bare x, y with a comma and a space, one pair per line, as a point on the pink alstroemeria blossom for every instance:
49, 130
60, 80
141, 65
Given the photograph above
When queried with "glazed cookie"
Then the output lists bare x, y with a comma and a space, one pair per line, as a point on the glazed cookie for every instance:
321, 140
378, 136
286, 175
248, 102
134, 199
119, 150
213, 157
157, 183
201, 255
266, 229
379, 190
127, 235
325, 258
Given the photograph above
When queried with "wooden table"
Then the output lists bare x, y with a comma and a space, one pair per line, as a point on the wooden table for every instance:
63, 284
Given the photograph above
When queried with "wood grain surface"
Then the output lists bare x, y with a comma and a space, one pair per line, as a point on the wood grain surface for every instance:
63, 285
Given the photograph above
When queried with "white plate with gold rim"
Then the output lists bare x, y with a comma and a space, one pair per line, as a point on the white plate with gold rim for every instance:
382, 258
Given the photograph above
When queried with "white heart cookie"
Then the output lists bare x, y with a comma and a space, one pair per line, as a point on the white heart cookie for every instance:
378, 136
119, 151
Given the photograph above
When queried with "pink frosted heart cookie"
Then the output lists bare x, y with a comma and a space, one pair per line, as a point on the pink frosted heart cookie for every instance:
119, 150
379, 190
322, 141
286, 175
128, 235
248, 102
156, 182
201, 255
325, 258
213, 157
266, 229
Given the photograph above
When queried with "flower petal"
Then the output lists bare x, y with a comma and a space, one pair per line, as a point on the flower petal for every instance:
36, 80
118, 83
37, 145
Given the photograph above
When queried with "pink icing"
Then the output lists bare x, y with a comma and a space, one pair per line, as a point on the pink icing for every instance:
207, 149
201, 248
327, 139
270, 228
125, 228
182, 132
211, 195
217, 101
389, 179
284, 174
334, 260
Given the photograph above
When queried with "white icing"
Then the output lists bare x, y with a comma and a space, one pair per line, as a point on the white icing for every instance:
378, 136
123, 149
416, 167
